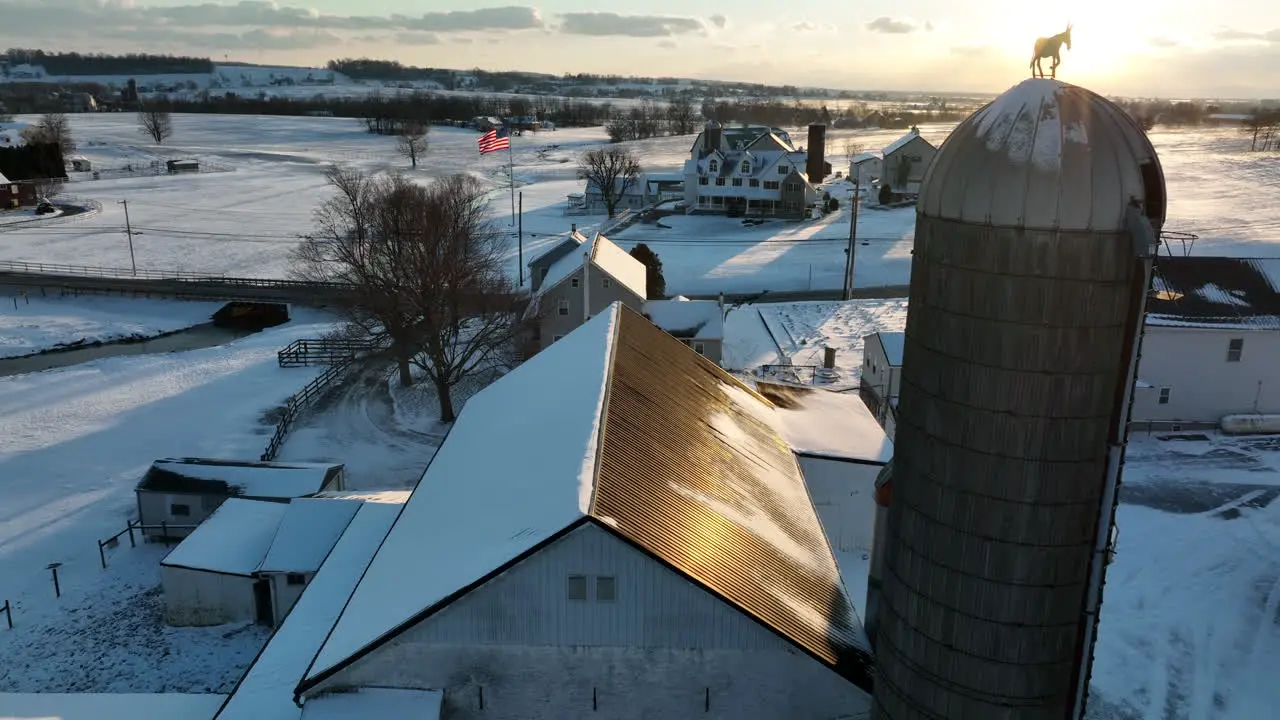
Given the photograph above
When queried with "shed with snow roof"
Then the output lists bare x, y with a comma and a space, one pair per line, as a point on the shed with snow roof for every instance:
583, 283
696, 323
645, 546
905, 162
177, 494
866, 168
882, 375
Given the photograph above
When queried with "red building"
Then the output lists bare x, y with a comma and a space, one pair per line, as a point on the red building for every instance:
16, 194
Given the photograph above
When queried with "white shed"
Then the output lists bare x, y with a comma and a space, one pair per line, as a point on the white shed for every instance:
306, 534
866, 168
882, 376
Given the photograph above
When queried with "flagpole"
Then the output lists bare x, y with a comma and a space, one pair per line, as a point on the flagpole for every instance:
511, 174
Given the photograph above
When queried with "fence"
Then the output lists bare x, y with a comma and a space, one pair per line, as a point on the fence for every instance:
323, 351
299, 400
31, 268
792, 373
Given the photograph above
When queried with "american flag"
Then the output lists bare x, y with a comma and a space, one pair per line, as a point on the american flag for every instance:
493, 140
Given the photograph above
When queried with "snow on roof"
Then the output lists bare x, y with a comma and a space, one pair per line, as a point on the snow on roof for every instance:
900, 142
1206, 291
3, 180
397, 497
893, 344
266, 690
822, 423
233, 540
251, 479
489, 503
606, 256
103, 706
575, 238
307, 533
379, 703
863, 157
685, 318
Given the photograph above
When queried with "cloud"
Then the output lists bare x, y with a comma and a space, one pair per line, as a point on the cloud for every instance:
890, 26
602, 24
499, 18
718, 20
668, 43
972, 50
417, 38
1232, 35
1163, 42
804, 26
259, 39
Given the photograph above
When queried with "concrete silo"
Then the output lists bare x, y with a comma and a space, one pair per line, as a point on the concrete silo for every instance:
1036, 227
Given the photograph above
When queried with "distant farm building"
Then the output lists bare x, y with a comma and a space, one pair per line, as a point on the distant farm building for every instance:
15, 195
631, 194
866, 168
905, 161
182, 166
175, 495
882, 376
81, 164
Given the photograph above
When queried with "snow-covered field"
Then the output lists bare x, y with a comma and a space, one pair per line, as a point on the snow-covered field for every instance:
32, 322
73, 442
246, 222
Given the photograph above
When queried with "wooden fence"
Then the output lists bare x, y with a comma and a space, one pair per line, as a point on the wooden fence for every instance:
298, 401
323, 351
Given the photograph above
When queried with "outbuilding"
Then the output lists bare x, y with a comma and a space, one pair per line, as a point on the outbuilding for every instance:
905, 161
177, 494
882, 376
696, 323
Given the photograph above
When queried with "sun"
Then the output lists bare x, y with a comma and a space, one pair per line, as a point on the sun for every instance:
1104, 35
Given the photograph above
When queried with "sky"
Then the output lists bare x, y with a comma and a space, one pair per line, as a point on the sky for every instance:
1147, 48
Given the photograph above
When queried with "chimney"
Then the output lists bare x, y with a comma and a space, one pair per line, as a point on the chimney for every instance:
573, 228
586, 286
829, 358
711, 136
721, 303
816, 163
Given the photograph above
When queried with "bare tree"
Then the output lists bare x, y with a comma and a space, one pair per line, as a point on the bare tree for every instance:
682, 117
853, 148
425, 269
157, 124
52, 128
612, 170
412, 143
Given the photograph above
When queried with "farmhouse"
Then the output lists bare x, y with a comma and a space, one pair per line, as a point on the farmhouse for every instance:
905, 161
175, 495
583, 283
1211, 343
748, 169
632, 194
251, 560
15, 195
696, 323
658, 534
882, 376
866, 168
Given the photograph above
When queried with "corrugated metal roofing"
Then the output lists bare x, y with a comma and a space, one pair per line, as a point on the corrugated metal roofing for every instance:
1216, 291
1044, 155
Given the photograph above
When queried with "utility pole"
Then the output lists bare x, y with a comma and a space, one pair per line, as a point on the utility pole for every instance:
128, 228
520, 235
853, 236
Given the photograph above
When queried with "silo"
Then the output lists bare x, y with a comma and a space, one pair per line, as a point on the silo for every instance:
1035, 230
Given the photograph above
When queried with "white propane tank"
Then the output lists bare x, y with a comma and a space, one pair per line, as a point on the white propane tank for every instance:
1250, 424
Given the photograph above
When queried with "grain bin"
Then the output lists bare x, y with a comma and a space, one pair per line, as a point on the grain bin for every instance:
1035, 230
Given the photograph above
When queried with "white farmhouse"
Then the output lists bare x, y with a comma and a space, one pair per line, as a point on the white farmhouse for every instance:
1212, 343
641, 546
905, 161
747, 169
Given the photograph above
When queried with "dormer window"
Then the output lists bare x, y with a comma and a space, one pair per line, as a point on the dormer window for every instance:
713, 166
746, 167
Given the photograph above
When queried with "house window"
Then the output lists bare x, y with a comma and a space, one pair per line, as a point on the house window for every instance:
702, 180
754, 183
606, 588
563, 308
1235, 348
772, 185
179, 510
1164, 396
713, 166
295, 579
700, 348
793, 187
720, 182
573, 282
746, 167
577, 587
783, 169
606, 283
737, 182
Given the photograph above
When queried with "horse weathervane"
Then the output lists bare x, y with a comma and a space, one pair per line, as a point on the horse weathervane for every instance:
1050, 47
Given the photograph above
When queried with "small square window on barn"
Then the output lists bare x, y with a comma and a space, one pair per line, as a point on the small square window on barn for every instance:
606, 283
295, 579
573, 282
606, 589
577, 587
179, 510
1164, 396
699, 348
1235, 349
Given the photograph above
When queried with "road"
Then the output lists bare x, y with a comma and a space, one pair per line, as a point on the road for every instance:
879, 292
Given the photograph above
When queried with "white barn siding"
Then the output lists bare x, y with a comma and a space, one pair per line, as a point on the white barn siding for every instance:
655, 651
1203, 385
197, 597
154, 508
843, 495
283, 595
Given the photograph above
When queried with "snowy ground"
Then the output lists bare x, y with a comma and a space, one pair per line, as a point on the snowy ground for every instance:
31, 322
73, 443
1191, 613
245, 222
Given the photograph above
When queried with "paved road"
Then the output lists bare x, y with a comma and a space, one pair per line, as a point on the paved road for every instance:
885, 291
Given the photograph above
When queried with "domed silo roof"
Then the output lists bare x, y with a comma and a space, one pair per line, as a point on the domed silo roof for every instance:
1049, 156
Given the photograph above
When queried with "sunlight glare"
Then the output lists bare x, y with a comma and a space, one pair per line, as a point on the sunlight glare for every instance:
1103, 35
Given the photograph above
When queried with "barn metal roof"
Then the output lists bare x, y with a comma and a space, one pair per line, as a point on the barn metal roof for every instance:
648, 440
1044, 155
1216, 292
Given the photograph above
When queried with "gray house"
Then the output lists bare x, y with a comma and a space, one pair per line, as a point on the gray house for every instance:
696, 323
541, 265
905, 161
609, 573
582, 284
176, 494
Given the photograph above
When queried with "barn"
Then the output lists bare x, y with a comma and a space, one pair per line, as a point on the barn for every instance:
643, 546
177, 494
14, 195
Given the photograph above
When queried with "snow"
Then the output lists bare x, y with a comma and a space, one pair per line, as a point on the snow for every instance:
307, 532
1023, 122
894, 344
606, 256
1217, 294
898, 144
832, 425
41, 323
863, 157
73, 444
392, 497
803, 330
704, 318
232, 540
266, 691
502, 482
380, 703
97, 706
281, 480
